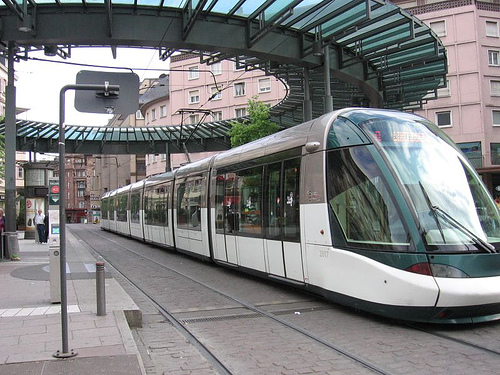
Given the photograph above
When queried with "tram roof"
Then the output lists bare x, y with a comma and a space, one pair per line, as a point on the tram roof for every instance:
380, 55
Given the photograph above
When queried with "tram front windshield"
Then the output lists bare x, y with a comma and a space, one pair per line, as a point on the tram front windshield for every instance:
454, 209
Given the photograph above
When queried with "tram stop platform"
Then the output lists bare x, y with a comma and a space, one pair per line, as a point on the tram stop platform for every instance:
30, 325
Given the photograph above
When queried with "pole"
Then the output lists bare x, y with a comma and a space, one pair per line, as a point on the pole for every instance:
327, 74
10, 154
62, 210
100, 285
307, 108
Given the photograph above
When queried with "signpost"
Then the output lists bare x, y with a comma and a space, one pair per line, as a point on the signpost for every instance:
103, 90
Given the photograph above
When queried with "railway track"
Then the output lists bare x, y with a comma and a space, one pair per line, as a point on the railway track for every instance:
181, 325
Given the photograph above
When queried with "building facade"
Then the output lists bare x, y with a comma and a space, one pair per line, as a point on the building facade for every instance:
195, 92
468, 109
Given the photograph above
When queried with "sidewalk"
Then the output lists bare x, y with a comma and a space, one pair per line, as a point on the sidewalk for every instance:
30, 326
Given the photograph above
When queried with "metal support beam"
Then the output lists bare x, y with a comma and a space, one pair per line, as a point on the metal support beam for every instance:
109, 17
10, 145
328, 90
307, 107
189, 16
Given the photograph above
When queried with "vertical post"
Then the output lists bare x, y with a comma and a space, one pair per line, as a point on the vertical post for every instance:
168, 167
62, 209
10, 152
100, 284
328, 90
62, 228
307, 107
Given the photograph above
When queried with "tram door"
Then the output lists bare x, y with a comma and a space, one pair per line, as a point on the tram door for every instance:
225, 218
282, 219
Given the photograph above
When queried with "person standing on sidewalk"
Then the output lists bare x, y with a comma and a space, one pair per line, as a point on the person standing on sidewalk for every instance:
40, 226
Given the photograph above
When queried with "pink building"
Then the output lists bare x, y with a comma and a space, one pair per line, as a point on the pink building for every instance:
196, 92
468, 109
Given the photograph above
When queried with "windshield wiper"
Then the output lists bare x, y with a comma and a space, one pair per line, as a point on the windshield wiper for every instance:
429, 204
436, 210
477, 240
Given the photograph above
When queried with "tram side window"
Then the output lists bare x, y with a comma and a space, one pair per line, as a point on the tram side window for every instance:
155, 206
220, 216
250, 201
121, 211
182, 213
111, 208
273, 201
148, 213
231, 202
360, 199
291, 184
135, 200
104, 208
189, 205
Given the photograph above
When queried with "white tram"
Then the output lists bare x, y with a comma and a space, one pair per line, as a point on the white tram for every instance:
374, 209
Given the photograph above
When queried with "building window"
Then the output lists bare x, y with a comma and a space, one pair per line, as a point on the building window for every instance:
153, 114
20, 172
81, 204
215, 94
492, 29
495, 114
217, 116
80, 193
439, 27
238, 66
445, 91
216, 68
264, 84
163, 111
239, 112
194, 119
443, 119
239, 89
194, 96
138, 115
495, 153
472, 150
493, 58
193, 72
495, 88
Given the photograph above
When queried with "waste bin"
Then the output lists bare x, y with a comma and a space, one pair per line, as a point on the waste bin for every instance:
11, 241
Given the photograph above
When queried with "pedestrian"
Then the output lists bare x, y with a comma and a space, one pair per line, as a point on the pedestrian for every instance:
40, 226
2, 229
46, 223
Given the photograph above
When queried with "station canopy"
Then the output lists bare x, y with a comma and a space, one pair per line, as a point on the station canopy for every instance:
379, 56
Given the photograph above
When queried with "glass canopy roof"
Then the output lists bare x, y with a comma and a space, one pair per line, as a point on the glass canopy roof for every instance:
380, 55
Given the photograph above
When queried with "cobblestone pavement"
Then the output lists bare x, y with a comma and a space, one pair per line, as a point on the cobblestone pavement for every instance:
252, 344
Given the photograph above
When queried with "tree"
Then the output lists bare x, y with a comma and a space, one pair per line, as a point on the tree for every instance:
256, 127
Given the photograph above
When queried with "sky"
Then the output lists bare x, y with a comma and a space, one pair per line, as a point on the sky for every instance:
39, 82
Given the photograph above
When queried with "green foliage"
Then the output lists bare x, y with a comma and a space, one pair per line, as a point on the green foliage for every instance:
257, 127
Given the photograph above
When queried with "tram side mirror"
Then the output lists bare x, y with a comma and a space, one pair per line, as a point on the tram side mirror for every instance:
312, 146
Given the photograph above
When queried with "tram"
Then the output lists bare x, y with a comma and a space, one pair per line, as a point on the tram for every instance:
373, 209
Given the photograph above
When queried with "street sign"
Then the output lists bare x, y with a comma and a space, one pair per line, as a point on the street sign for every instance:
53, 192
124, 102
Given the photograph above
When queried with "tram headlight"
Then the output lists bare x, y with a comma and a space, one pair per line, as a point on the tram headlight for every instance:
443, 270
437, 270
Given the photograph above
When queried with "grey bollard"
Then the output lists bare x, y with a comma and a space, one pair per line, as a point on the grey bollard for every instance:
100, 279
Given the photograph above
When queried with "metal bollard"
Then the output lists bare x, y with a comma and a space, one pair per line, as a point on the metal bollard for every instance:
100, 279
